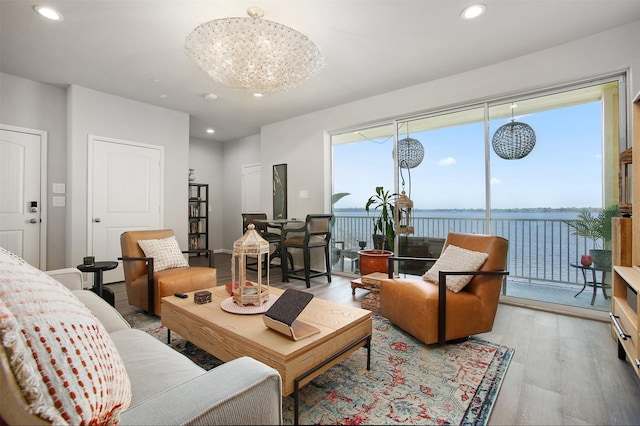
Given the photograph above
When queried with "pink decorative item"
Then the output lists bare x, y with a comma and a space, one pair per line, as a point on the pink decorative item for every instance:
586, 260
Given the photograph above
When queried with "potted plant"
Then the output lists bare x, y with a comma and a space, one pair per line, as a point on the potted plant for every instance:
376, 259
598, 229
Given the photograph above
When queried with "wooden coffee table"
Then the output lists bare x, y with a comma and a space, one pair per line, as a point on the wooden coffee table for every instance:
343, 330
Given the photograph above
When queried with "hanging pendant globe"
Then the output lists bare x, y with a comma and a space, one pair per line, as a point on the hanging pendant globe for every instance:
410, 153
513, 141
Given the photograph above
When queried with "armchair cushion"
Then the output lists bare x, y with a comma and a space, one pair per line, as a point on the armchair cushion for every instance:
65, 363
166, 253
456, 258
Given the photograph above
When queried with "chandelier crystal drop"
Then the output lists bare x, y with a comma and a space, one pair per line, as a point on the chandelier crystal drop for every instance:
253, 54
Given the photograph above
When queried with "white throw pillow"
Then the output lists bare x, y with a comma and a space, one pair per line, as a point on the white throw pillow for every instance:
60, 354
456, 258
165, 252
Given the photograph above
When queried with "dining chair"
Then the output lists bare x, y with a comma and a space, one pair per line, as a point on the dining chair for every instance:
261, 226
315, 234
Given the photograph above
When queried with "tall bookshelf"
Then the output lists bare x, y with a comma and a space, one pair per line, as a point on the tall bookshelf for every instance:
625, 321
198, 216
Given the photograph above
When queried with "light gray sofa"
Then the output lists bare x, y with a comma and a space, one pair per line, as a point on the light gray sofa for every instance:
167, 388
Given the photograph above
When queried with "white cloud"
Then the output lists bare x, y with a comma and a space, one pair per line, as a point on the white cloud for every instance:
495, 181
446, 161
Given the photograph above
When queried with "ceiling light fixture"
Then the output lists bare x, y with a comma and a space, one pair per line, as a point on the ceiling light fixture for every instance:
473, 11
211, 97
253, 54
211, 131
48, 13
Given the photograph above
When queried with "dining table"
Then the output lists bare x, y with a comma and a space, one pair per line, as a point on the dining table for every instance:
284, 226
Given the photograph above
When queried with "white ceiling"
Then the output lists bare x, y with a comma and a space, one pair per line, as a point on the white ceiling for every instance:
370, 47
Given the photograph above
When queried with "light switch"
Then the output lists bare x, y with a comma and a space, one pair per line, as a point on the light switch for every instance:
304, 193
58, 188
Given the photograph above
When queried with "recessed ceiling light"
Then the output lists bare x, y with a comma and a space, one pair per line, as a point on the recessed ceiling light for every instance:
163, 96
211, 96
155, 80
258, 95
473, 11
211, 131
48, 13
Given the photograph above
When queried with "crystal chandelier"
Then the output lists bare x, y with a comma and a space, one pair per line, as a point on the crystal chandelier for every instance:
254, 54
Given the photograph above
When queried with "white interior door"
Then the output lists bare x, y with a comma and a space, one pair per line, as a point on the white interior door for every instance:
251, 182
23, 193
126, 187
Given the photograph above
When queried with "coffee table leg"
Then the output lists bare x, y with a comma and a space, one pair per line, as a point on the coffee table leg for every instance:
297, 380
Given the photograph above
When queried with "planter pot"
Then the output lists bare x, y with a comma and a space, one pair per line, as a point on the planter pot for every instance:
601, 258
374, 261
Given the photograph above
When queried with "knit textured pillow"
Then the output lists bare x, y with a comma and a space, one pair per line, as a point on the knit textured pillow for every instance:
456, 258
63, 359
165, 252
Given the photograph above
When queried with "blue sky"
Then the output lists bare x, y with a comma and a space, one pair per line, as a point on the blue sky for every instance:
563, 170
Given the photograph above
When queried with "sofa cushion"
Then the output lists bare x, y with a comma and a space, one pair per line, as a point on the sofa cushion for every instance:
63, 359
165, 252
153, 367
456, 258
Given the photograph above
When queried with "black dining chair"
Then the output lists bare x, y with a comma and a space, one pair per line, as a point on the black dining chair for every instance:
259, 221
315, 234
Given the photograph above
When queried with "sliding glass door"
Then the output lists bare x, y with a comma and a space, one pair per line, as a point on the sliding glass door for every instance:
467, 181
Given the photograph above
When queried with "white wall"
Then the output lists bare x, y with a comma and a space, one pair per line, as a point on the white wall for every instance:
95, 113
29, 104
302, 142
236, 155
205, 157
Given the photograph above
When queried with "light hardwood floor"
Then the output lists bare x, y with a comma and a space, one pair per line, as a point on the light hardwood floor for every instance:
565, 370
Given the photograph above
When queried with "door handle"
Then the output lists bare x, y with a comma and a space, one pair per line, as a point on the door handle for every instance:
33, 220
97, 220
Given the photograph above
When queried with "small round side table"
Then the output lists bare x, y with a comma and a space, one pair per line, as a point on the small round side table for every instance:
97, 268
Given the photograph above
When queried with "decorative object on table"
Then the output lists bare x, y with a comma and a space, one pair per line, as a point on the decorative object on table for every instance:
254, 54
282, 315
280, 191
192, 176
88, 260
586, 260
598, 229
465, 399
201, 297
362, 244
253, 245
625, 182
514, 140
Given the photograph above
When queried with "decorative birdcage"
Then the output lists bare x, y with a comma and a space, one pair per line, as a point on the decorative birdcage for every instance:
403, 212
245, 292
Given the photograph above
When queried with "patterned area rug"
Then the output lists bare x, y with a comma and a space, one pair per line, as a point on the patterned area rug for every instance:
409, 383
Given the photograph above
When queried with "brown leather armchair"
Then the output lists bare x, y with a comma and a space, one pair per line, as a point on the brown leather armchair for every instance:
432, 313
146, 288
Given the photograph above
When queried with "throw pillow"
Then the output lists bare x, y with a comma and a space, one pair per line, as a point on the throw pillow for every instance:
61, 356
165, 252
456, 259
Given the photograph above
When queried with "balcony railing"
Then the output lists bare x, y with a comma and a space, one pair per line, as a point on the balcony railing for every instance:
540, 250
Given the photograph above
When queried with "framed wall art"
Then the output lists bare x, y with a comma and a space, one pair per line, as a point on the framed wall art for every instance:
280, 191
